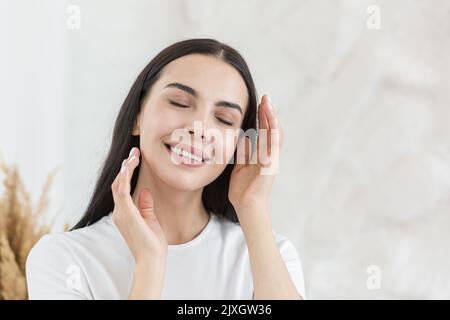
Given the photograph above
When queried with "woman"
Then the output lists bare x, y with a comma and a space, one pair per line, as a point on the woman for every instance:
179, 220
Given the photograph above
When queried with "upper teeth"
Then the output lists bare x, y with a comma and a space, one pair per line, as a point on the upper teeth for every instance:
186, 154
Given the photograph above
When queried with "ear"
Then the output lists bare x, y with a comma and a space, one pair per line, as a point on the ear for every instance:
136, 127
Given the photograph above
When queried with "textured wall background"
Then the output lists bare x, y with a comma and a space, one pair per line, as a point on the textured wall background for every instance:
364, 186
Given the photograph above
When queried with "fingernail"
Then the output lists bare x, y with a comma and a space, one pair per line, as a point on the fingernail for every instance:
270, 101
131, 159
131, 152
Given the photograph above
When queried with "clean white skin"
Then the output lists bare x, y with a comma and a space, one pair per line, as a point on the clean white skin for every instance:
159, 118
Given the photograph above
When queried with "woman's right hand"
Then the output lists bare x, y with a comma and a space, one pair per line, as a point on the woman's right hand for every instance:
139, 226
142, 232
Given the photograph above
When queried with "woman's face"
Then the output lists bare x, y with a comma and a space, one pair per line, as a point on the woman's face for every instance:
186, 121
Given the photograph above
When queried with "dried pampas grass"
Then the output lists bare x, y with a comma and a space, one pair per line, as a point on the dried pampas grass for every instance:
19, 231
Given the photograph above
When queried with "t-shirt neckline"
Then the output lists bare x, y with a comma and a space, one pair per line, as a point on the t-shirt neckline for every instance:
203, 233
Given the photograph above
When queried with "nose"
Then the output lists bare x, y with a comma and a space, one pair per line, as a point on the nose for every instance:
197, 130
192, 133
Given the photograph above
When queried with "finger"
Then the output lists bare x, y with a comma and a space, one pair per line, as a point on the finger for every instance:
276, 133
270, 113
262, 119
123, 183
146, 204
130, 164
241, 152
115, 183
264, 138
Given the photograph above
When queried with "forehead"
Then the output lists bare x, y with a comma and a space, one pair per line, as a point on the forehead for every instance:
213, 78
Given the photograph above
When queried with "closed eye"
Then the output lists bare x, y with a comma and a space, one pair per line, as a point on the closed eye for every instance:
225, 122
185, 106
178, 104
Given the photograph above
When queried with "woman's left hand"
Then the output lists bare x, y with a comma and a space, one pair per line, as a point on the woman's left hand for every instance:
252, 177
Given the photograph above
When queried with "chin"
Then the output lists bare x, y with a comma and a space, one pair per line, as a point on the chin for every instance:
184, 182
179, 178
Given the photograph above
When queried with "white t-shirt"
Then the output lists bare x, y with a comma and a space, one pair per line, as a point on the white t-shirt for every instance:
95, 262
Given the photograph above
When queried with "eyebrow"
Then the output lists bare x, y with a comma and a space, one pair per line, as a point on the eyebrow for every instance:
194, 93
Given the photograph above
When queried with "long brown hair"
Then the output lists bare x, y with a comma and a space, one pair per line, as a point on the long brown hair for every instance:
215, 195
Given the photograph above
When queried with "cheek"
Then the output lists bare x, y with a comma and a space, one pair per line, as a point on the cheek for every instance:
230, 148
158, 122
160, 116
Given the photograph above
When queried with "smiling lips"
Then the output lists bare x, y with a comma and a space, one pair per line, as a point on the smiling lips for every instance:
187, 154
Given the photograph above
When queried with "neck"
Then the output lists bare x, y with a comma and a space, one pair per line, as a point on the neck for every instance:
180, 212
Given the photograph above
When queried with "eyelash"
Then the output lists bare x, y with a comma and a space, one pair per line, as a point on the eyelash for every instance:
179, 105
225, 122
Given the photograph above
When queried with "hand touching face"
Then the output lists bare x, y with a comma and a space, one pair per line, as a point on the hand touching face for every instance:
200, 97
